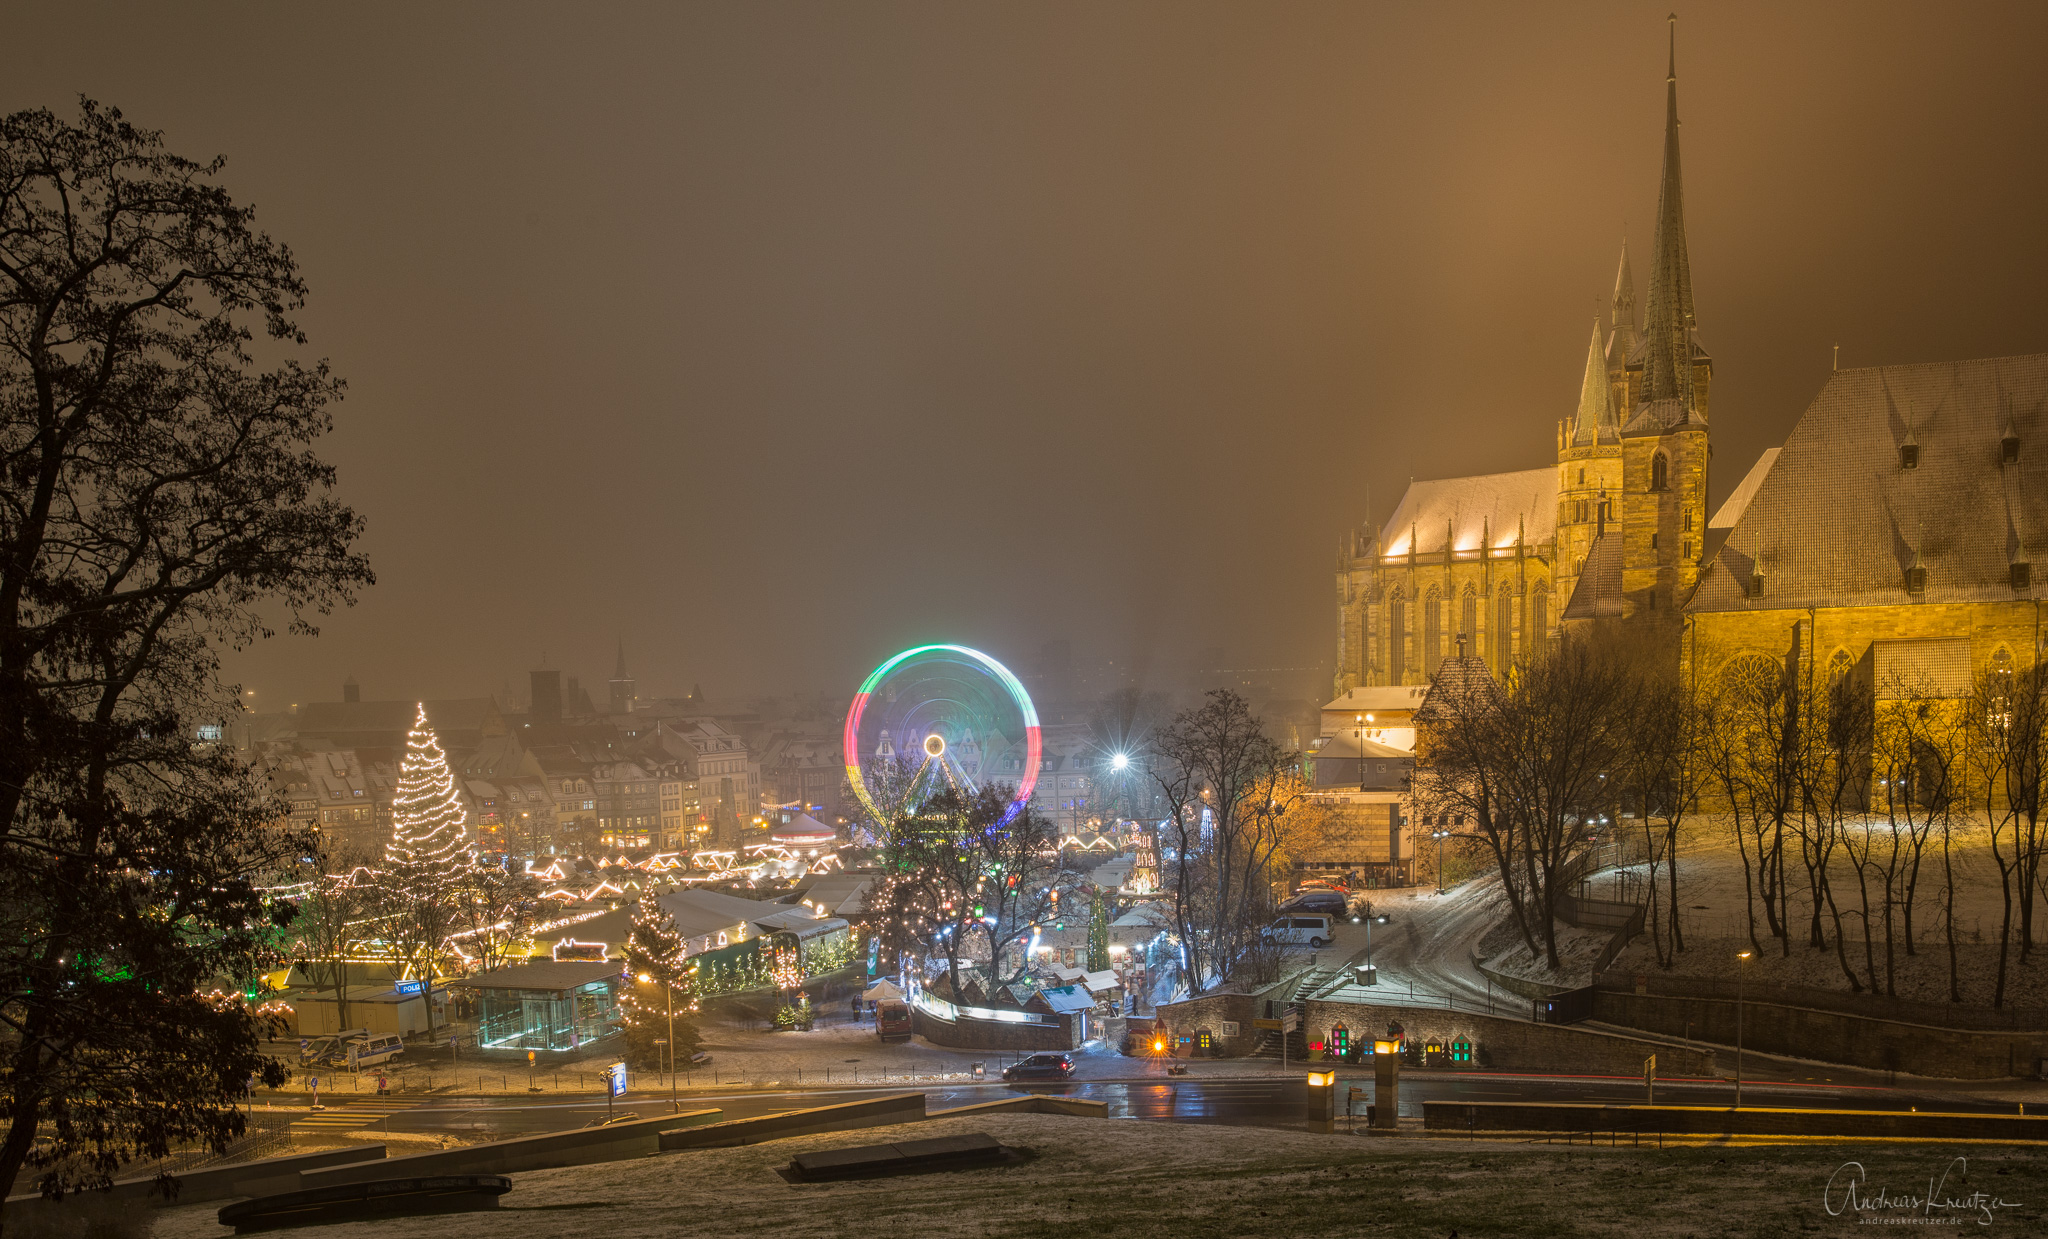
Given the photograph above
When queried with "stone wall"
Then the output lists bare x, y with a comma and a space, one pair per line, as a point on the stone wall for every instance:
1512, 1045
1832, 1036
1212, 1011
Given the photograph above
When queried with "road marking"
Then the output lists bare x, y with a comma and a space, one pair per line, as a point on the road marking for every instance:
354, 1115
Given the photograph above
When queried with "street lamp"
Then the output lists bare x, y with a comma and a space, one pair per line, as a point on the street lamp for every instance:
1122, 761
1741, 958
668, 1002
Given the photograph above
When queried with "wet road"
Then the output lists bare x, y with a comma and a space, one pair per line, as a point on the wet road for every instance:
1256, 1102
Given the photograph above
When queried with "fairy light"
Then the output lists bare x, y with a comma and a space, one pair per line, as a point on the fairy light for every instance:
429, 828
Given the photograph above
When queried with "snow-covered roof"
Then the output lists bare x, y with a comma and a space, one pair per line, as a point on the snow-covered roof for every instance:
1489, 507
1066, 999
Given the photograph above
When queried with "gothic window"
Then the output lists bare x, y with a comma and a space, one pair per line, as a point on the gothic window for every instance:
1503, 630
1536, 634
1582, 477
1469, 622
1397, 641
1432, 632
1658, 469
1688, 520
1364, 640
1839, 668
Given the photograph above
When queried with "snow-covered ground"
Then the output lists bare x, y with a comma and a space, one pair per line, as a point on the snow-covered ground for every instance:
1140, 1180
1712, 903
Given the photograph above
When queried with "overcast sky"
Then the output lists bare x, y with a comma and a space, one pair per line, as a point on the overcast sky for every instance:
773, 337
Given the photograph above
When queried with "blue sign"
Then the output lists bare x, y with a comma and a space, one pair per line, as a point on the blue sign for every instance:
617, 1071
409, 987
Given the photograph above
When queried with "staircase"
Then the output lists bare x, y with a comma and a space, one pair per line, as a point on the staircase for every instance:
1269, 1046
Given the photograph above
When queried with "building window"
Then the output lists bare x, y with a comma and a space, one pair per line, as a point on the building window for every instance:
1535, 638
1470, 622
1658, 471
1503, 630
1653, 542
1688, 520
1686, 552
2022, 575
1756, 583
1909, 455
1432, 632
1916, 580
1397, 641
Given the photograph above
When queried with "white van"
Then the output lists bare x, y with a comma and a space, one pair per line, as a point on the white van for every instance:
370, 1048
1302, 929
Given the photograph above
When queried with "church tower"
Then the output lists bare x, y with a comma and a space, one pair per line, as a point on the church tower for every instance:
1589, 470
1664, 440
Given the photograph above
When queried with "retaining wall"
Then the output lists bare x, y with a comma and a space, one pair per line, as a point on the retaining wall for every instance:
1037, 1103
1503, 1116
1511, 1045
1212, 1011
848, 1116
1832, 1036
610, 1143
257, 1178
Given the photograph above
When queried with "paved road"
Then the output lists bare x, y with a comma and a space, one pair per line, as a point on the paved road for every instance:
1252, 1102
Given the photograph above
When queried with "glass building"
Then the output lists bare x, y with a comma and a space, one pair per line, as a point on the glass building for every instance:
546, 1005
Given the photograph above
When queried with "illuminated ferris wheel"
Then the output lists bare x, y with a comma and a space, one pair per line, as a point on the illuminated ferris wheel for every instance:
938, 717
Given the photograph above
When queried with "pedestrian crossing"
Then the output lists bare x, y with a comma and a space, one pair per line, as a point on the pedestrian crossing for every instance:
351, 1115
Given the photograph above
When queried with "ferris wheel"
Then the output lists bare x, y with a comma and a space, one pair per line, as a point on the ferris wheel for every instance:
936, 717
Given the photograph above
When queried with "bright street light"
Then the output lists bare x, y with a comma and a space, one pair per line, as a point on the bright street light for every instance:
1120, 762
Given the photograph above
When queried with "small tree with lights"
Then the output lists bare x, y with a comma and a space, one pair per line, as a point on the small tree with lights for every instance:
660, 990
1098, 931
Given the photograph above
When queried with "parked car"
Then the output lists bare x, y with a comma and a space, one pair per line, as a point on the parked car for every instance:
1040, 1067
370, 1049
1299, 930
1330, 903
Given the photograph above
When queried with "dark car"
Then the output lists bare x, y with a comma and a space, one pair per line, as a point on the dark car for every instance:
1040, 1067
1329, 903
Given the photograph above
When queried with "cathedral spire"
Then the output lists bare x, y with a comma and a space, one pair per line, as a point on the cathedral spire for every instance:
1596, 422
1667, 364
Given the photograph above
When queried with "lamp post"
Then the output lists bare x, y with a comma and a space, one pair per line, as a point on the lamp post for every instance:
1361, 752
668, 1003
1439, 836
1740, 959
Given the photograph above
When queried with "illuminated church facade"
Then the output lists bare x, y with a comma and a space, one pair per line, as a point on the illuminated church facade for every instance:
1892, 535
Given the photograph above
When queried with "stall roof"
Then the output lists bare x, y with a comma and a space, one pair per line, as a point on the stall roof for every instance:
546, 974
1067, 999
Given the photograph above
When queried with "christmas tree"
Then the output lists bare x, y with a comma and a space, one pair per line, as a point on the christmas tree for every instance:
1098, 932
430, 846
426, 862
661, 985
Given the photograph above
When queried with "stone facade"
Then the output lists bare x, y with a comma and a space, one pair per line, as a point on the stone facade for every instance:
1215, 1013
1511, 1045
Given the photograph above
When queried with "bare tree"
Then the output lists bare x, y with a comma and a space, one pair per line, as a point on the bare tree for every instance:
1234, 797
1535, 761
495, 909
2008, 729
334, 922
1749, 728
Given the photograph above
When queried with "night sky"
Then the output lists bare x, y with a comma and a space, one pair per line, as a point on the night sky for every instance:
771, 338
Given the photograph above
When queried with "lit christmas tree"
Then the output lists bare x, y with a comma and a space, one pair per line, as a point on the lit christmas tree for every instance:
1098, 931
426, 862
654, 951
430, 846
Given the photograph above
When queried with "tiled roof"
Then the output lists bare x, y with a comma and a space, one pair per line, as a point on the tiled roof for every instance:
1456, 678
1836, 520
1493, 505
542, 974
1598, 592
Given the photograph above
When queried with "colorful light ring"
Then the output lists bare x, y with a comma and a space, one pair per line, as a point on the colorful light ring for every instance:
1034, 746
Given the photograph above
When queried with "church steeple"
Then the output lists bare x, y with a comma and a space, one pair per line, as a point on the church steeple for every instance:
1622, 314
1595, 422
1668, 356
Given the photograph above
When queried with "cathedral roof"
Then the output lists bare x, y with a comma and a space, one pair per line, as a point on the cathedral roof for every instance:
1836, 520
1722, 523
1667, 329
1490, 506
1621, 341
1598, 592
1595, 422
